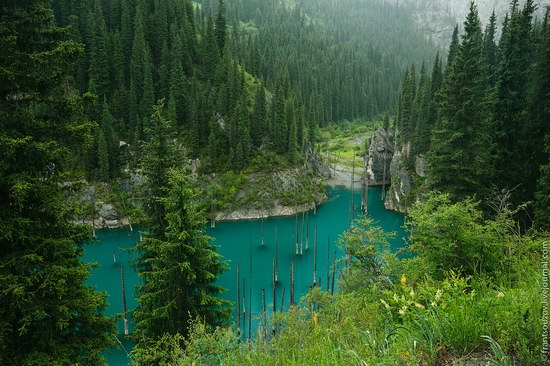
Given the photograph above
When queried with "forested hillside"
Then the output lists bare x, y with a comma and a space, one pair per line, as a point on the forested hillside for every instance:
320, 62
140, 52
343, 58
482, 121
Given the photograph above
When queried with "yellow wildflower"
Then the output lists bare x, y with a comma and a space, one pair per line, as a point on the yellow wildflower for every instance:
315, 319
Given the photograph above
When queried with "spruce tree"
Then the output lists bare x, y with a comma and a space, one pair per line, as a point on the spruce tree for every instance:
164, 72
133, 115
159, 157
406, 121
437, 75
300, 128
178, 92
453, 49
538, 126
182, 267
102, 157
293, 153
386, 122
459, 160
311, 131
221, 28
279, 123
148, 97
240, 134
213, 147
99, 63
436, 84
119, 100
127, 35
421, 142
140, 59
513, 144
111, 140
258, 125
210, 51
490, 50
49, 316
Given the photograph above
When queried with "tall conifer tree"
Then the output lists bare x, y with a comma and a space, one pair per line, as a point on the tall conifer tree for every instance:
181, 269
459, 161
49, 316
258, 125
221, 27
513, 144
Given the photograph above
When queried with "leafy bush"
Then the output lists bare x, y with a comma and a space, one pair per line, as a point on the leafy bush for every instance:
454, 236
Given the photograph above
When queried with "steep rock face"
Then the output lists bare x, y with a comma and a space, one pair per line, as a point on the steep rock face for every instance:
437, 18
379, 157
420, 166
400, 185
405, 184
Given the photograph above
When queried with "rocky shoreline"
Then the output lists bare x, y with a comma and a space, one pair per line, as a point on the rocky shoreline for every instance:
264, 195
108, 218
383, 165
277, 211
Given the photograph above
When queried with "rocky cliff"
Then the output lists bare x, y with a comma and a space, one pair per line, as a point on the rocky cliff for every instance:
404, 182
379, 157
406, 185
437, 18
280, 192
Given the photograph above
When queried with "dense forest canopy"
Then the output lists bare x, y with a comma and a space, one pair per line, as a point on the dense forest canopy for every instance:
482, 121
261, 78
344, 58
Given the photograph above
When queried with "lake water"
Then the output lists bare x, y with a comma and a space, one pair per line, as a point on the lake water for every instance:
238, 241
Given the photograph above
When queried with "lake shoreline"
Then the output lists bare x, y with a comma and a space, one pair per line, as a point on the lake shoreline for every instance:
244, 214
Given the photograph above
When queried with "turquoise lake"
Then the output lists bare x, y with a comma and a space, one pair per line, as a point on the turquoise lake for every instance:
237, 241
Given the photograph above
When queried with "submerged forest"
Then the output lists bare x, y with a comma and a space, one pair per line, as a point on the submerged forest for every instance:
414, 136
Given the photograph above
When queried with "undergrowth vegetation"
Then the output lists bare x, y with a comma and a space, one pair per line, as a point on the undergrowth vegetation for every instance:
469, 294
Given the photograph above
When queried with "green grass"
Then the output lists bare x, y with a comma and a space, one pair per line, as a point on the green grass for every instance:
345, 139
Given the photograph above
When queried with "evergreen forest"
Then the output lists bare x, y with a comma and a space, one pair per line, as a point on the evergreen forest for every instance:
176, 113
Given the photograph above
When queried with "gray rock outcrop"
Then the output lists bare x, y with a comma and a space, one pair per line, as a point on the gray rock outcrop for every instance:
379, 157
106, 211
405, 186
437, 18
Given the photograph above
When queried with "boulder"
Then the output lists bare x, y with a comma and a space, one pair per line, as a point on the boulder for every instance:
107, 212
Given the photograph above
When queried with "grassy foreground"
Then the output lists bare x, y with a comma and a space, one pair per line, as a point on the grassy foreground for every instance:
471, 295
